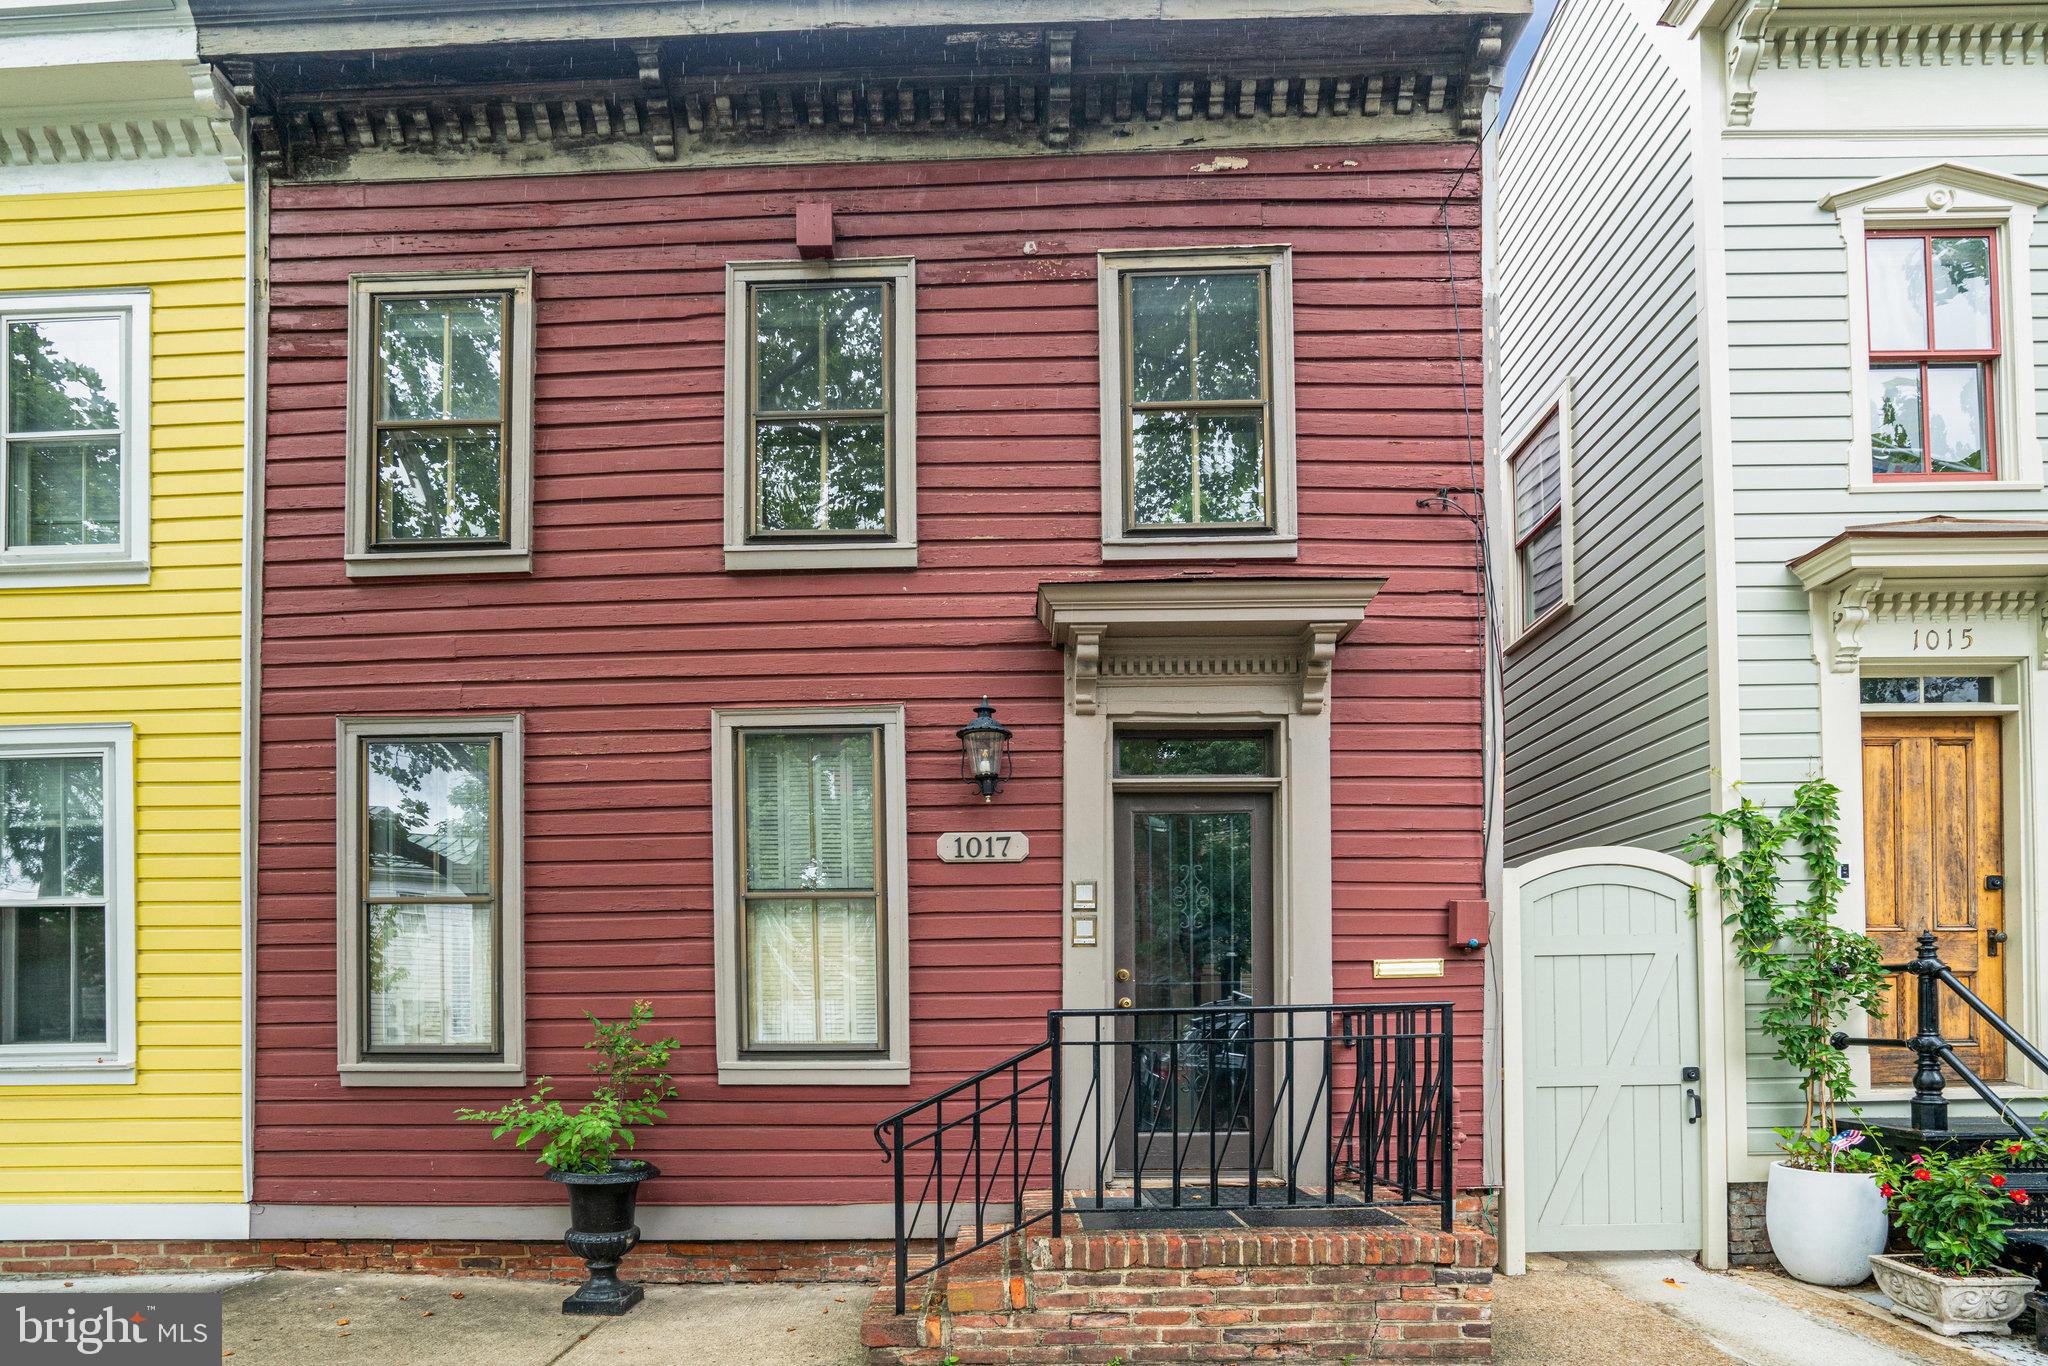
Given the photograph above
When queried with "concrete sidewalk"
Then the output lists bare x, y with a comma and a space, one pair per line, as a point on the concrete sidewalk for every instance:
287, 1318
1663, 1308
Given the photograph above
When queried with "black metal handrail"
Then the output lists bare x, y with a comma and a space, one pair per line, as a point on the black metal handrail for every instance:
1218, 1107
1931, 1051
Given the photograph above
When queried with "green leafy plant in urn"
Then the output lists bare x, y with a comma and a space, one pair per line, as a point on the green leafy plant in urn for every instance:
583, 1145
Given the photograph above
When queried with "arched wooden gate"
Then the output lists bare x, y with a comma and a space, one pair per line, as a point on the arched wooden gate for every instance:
1604, 1093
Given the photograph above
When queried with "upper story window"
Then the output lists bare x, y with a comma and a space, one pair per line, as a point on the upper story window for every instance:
74, 406
1940, 353
1934, 339
821, 414
430, 914
1539, 487
1198, 412
66, 904
440, 424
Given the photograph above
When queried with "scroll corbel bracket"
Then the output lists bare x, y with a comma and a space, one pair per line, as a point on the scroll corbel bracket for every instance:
661, 120
1318, 655
1085, 670
1745, 50
1848, 614
219, 107
1059, 87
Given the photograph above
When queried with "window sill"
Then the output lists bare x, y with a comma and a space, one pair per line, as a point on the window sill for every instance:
1923, 487
813, 1072
414, 564
1202, 548
740, 559
496, 1075
80, 573
1542, 626
71, 1071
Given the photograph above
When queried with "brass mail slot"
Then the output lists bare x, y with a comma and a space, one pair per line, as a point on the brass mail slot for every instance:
1407, 967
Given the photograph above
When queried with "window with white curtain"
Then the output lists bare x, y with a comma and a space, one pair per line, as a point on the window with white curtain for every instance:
430, 928
811, 890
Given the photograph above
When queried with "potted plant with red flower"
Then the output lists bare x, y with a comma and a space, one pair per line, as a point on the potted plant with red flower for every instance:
1954, 1208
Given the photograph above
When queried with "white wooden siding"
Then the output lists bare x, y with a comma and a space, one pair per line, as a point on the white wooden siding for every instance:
1789, 358
1606, 712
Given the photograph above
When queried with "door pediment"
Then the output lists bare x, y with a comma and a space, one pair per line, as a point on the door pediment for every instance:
1203, 631
1948, 570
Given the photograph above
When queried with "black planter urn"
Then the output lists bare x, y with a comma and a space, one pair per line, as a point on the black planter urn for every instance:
602, 1232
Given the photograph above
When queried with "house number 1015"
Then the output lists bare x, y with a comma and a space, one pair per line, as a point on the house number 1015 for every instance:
984, 846
1943, 638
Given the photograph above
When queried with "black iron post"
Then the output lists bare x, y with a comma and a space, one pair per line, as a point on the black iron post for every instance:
1052, 1100
1930, 1109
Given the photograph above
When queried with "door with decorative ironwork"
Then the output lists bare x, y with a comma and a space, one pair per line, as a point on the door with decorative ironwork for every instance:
1194, 929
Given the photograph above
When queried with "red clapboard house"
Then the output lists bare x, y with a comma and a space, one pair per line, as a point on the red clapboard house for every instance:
668, 441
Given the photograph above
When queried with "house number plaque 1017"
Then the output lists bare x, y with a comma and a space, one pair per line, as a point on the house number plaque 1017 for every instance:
985, 846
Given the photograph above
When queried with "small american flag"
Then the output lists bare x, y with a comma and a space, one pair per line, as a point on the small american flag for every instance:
1846, 1140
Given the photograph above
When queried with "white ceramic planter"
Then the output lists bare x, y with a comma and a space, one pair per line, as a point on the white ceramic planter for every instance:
1951, 1305
1824, 1226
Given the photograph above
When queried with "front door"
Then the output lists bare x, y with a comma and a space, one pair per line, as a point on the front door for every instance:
1194, 928
1933, 854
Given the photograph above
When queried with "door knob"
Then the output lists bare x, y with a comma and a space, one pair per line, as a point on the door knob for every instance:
1992, 939
1123, 1003
1123, 974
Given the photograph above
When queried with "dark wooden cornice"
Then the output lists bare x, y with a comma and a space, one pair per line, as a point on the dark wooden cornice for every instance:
837, 93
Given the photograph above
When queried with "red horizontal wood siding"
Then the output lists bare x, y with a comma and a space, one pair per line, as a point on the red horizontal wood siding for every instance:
629, 631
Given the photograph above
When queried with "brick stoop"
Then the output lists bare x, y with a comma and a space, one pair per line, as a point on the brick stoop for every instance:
1325, 1296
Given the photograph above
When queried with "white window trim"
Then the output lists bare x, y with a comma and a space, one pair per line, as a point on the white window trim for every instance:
114, 1063
1111, 266
899, 550
1520, 631
355, 1068
1936, 198
892, 1069
359, 561
127, 562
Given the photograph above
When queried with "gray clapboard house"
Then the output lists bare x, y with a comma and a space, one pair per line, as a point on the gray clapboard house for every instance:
1770, 366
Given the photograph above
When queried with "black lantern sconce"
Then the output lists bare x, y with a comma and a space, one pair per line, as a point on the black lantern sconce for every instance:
985, 751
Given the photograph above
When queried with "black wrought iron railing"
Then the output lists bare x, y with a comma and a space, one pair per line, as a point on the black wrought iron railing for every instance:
1932, 1052
1217, 1108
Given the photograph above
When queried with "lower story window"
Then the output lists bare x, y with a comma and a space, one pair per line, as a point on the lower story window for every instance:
811, 940
811, 900
64, 918
431, 848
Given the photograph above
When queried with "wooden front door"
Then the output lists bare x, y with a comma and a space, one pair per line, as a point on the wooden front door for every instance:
1934, 855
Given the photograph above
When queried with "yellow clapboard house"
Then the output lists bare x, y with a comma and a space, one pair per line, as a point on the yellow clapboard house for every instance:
123, 298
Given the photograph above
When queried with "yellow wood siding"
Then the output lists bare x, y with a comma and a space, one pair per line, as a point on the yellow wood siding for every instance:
166, 658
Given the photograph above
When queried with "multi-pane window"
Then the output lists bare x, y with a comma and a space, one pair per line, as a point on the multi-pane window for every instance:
810, 895
430, 900
441, 421
54, 899
66, 424
1933, 345
1536, 478
1197, 402
1932, 689
819, 408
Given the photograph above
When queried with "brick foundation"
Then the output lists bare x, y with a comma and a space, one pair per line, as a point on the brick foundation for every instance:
1749, 1243
655, 1263
1325, 1296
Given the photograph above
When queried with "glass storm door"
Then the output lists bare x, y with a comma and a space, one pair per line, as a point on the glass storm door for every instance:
1194, 928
